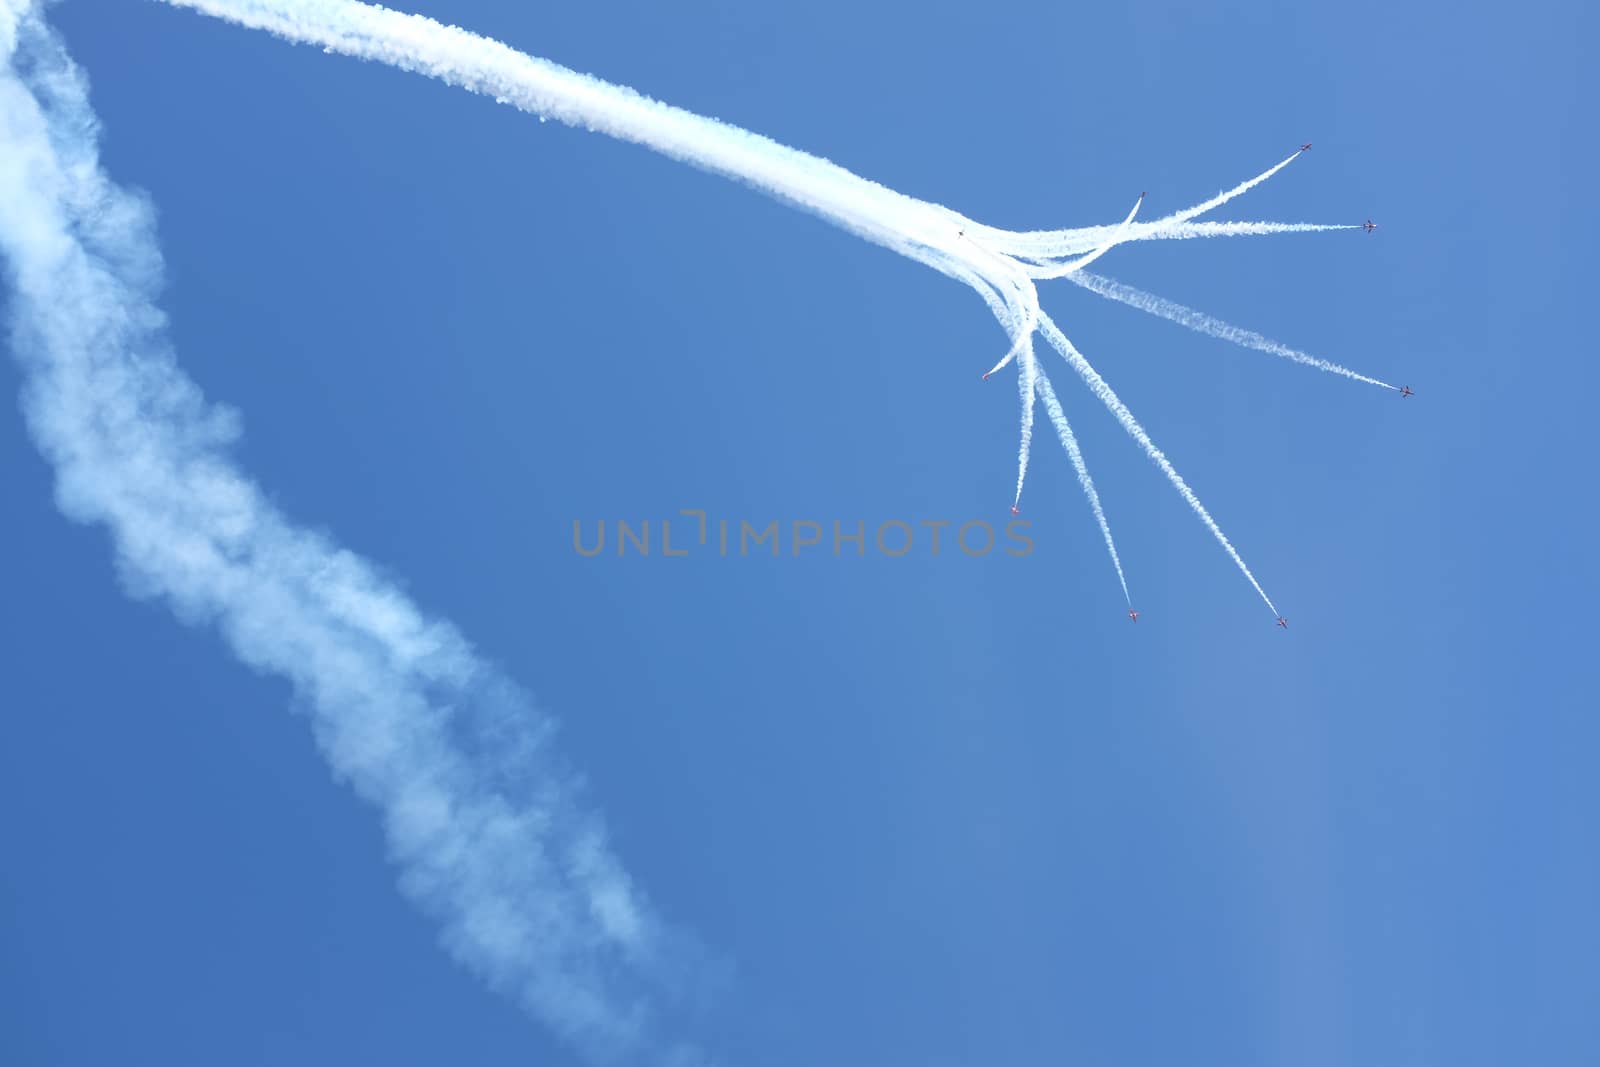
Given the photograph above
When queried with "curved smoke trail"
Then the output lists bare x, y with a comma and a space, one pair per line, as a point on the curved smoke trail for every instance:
490, 830
1053, 243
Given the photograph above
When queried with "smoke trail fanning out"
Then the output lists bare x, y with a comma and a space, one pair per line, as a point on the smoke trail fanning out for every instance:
1001, 265
1098, 386
490, 832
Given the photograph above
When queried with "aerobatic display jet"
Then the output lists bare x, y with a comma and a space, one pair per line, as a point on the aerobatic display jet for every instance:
1405, 390
1369, 225
1283, 622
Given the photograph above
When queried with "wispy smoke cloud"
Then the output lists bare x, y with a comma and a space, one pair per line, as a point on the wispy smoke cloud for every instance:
488, 827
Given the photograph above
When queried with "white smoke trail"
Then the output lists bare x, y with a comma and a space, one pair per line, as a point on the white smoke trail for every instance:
1027, 372
490, 832
1098, 386
539, 87
457, 57
1024, 336
1200, 322
1089, 237
925, 232
1019, 291
1050, 243
1030, 372
1223, 197
1069, 441
1117, 236
983, 257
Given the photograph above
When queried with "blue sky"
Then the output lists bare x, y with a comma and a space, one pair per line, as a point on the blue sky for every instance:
929, 811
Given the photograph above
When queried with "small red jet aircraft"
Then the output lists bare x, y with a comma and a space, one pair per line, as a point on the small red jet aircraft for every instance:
1014, 510
1405, 390
1306, 147
1369, 225
985, 375
1134, 615
1283, 622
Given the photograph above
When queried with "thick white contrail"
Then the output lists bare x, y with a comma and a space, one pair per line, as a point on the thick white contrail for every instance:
1200, 322
490, 832
539, 87
1098, 386
1069, 441
1072, 266
1025, 331
1018, 290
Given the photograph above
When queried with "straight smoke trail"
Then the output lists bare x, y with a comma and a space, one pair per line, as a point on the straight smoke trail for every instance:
1114, 404
1089, 237
1200, 322
1027, 375
1034, 385
1069, 441
490, 831
457, 57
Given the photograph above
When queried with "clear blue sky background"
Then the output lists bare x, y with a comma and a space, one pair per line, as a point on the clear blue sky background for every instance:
934, 811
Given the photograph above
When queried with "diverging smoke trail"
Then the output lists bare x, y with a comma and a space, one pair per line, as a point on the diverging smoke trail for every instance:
1051, 243
1029, 297
1069, 441
1118, 235
1223, 197
489, 830
984, 257
1200, 322
1114, 404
